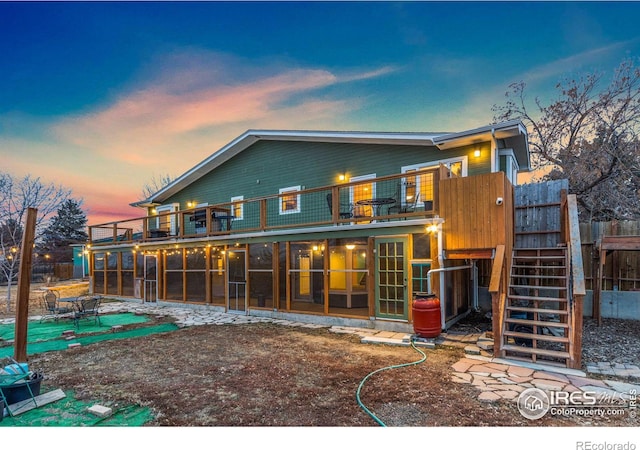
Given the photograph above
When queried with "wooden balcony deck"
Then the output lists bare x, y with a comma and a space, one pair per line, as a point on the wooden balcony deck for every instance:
341, 204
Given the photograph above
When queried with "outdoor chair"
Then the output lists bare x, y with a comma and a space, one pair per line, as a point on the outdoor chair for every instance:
87, 307
410, 207
52, 308
345, 210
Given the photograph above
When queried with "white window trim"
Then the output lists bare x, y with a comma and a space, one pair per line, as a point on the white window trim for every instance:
370, 176
432, 165
237, 198
288, 190
435, 164
171, 207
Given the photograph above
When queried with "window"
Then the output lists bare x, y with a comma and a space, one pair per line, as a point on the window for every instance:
237, 207
290, 200
166, 221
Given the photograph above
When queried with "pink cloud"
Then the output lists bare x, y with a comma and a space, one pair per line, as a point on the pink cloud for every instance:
188, 109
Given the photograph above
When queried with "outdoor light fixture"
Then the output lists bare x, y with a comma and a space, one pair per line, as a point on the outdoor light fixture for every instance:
477, 153
350, 246
432, 229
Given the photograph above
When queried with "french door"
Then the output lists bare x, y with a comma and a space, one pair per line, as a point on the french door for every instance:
391, 278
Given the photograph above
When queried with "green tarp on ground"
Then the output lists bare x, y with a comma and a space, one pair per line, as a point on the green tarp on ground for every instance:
62, 344
50, 329
48, 336
70, 412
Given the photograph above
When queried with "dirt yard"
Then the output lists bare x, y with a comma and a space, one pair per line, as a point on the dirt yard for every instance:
272, 375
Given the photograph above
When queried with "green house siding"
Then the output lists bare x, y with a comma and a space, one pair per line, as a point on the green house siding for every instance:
268, 166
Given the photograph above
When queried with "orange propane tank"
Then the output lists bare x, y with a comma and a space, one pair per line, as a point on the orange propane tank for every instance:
426, 315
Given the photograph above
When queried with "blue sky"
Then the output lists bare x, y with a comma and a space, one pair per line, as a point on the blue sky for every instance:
101, 97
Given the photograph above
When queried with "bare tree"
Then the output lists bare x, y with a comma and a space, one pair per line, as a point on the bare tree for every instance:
155, 184
588, 135
16, 196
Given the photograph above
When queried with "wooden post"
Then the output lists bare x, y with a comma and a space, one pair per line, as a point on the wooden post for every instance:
24, 284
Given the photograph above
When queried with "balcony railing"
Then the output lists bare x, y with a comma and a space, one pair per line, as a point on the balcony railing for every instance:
389, 198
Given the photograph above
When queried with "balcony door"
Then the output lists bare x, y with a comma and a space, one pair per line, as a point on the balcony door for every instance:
362, 191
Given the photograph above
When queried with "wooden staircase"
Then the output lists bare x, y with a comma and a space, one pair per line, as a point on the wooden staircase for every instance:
536, 323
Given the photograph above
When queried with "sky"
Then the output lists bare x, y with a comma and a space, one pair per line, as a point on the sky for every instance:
104, 97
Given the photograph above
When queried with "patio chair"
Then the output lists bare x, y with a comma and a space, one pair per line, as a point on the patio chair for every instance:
52, 308
410, 207
88, 307
345, 210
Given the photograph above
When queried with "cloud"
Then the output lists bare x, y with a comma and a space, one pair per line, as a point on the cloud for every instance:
185, 107
176, 112
560, 67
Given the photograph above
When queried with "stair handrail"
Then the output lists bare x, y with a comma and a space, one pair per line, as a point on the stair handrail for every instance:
498, 297
576, 286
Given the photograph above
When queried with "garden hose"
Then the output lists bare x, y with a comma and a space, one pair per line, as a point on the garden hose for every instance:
373, 416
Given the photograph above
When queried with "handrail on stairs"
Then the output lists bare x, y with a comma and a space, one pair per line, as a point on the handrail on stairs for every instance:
498, 296
571, 236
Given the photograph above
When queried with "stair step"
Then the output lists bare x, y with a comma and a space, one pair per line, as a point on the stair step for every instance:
536, 351
529, 266
537, 299
532, 286
537, 310
539, 337
559, 258
554, 277
540, 323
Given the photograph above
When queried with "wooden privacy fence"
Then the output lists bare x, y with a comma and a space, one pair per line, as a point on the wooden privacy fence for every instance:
621, 268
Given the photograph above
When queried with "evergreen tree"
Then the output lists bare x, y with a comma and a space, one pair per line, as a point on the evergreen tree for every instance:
66, 227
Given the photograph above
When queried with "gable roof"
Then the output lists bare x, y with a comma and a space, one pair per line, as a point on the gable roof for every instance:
511, 134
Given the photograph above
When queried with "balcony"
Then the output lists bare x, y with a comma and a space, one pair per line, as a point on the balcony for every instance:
383, 199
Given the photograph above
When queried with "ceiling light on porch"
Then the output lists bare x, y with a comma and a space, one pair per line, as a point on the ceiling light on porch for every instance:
350, 246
